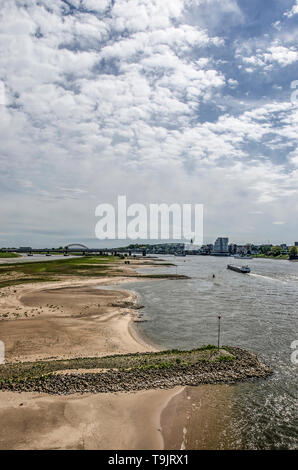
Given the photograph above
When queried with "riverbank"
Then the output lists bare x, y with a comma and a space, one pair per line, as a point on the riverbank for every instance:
70, 318
9, 255
278, 257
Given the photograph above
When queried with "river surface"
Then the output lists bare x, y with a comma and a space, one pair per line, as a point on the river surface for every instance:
260, 313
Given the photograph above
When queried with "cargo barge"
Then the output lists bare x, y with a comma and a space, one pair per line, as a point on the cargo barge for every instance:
239, 269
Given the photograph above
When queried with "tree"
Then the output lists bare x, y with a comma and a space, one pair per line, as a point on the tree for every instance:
293, 251
265, 249
276, 250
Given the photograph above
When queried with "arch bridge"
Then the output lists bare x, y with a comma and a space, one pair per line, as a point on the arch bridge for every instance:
76, 245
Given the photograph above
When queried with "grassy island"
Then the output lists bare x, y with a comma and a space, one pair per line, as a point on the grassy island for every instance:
84, 267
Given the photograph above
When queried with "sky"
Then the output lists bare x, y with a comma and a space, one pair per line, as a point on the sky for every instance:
164, 101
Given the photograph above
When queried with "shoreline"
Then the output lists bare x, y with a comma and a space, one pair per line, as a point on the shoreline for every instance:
92, 322
138, 333
68, 306
134, 329
124, 410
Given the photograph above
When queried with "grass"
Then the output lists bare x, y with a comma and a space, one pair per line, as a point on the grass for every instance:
272, 257
9, 255
141, 361
84, 266
58, 266
52, 270
224, 358
42, 271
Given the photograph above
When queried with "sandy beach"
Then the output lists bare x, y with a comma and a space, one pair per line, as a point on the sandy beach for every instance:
75, 319
72, 319
102, 421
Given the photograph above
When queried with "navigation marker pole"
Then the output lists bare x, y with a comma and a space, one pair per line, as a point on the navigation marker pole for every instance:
218, 337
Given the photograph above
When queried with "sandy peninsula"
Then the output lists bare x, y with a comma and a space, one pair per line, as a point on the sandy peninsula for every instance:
75, 318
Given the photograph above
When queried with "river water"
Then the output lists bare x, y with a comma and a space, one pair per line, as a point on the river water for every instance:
260, 313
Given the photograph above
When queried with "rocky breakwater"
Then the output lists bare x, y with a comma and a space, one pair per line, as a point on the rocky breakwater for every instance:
237, 365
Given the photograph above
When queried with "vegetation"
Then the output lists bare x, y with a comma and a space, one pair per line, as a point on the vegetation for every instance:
272, 256
224, 358
3, 254
265, 249
54, 270
273, 252
276, 250
142, 361
293, 251
43, 271
63, 265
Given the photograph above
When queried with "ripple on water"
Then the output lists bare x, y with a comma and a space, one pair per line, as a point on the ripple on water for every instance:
259, 313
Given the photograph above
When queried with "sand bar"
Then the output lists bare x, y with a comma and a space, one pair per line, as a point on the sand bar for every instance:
72, 319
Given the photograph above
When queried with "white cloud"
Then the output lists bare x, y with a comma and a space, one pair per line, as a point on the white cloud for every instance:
293, 11
215, 14
233, 83
282, 55
140, 15
293, 157
276, 54
101, 104
96, 5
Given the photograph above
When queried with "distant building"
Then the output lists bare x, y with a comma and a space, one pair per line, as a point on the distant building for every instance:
205, 250
160, 248
241, 250
25, 248
296, 243
221, 247
233, 248
190, 247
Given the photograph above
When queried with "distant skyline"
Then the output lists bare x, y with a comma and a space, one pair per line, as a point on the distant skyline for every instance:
176, 101
120, 243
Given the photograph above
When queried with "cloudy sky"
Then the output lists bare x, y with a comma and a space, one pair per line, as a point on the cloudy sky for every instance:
175, 101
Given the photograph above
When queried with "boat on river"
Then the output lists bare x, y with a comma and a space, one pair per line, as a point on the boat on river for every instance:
239, 269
